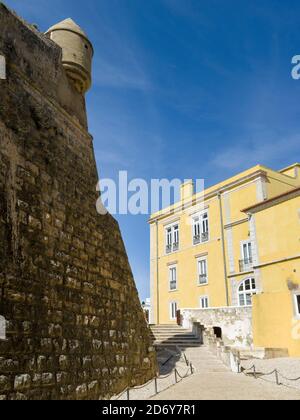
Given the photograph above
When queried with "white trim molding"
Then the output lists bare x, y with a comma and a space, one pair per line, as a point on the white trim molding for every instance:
261, 189
230, 249
296, 304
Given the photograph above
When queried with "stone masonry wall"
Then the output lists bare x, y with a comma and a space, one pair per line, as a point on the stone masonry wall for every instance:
75, 328
235, 323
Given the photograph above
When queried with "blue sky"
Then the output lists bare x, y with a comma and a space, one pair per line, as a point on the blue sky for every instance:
185, 88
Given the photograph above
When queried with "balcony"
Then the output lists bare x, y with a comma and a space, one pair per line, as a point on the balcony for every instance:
203, 279
172, 248
175, 246
173, 285
246, 264
198, 239
204, 236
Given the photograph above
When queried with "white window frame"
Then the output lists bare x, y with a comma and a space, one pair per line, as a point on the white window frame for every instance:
173, 316
171, 271
297, 305
206, 224
169, 236
172, 236
249, 266
245, 293
202, 300
198, 227
199, 261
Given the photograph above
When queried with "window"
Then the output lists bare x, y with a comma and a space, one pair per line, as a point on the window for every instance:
205, 232
200, 229
173, 310
196, 230
169, 239
246, 263
204, 302
175, 238
297, 304
246, 290
173, 278
202, 271
172, 238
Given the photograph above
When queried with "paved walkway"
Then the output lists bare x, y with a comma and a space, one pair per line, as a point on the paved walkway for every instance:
213, 381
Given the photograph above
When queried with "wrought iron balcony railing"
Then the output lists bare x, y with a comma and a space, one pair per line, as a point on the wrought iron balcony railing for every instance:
246, 264
197, 239
168, 249
204, 236
175, 246
172, 248
173, 285
203, 279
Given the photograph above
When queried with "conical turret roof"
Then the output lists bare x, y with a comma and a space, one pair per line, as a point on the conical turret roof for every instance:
68, 25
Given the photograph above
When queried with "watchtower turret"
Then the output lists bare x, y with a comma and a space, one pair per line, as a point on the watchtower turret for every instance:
77, 53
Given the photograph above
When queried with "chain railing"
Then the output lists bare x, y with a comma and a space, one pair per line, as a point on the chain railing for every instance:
177, 377
275, 372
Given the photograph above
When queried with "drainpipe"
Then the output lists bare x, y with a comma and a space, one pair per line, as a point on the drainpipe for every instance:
157, 274
223, 247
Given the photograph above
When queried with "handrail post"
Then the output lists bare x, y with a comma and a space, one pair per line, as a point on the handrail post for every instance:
128, 394
192, 370
186, 360
175, 376
277, 377
155, 385
254, 372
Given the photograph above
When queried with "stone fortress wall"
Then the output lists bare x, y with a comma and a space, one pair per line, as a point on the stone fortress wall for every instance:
75, 328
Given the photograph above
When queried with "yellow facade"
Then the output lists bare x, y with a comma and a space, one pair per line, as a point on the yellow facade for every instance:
229, 246
276, 310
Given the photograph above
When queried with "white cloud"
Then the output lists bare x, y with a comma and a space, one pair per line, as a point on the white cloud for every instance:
116, 75
267, 150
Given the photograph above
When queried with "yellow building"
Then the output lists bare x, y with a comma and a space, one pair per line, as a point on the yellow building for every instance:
275, 227
204, 253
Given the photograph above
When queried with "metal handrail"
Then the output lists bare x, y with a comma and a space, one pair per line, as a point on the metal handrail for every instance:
275, 371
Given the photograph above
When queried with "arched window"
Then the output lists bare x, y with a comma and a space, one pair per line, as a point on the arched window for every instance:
245, 292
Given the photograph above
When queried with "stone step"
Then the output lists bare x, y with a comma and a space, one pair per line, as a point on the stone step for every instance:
179, 345
171, 331
184, 336
178, 341
163, 327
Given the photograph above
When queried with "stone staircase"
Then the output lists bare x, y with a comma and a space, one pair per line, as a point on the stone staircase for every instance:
174, 336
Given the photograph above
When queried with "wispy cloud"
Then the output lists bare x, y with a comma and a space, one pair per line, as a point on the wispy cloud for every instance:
264, 150
117, 75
